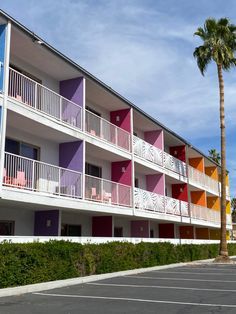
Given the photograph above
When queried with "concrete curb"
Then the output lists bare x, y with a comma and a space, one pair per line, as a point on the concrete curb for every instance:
6, 292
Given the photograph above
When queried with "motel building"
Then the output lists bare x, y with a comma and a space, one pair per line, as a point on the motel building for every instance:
78, 159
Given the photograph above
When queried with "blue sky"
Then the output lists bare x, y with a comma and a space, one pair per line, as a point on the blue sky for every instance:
143, 49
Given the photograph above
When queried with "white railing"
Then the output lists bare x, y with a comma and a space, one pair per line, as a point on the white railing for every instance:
105, 191
204, 213
42, 99
105, 130
24, 173
150, 201
174, 164
202, 180
147, 151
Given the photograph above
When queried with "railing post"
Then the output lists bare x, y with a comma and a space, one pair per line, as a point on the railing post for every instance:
59, 182
33, 175
35, 95
102, 196
60, 109
117, 193
116, 136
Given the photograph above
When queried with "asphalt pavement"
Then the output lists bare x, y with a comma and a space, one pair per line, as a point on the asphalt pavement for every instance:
196, 288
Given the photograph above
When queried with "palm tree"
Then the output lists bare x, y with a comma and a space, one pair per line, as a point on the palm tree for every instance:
214, 155
219, 46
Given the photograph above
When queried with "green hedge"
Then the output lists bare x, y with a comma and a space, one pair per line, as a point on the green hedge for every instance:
29, 263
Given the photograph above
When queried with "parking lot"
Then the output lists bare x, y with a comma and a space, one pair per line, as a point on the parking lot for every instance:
196, 288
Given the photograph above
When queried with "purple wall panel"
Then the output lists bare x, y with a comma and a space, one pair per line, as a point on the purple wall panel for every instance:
156, 183
155, 138
46, 223
140, 229
73, 90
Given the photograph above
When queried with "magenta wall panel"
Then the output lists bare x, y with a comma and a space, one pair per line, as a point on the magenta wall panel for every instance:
121, 172
140, 228
121, 118
46, 223
178, 152
156, 183
155, 138
180, 192
102, 226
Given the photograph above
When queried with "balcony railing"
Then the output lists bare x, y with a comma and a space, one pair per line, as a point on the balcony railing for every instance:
174, 164
105, 130
147, 151
24, 173
42, 99
204, 213
105, 191
202, 180
150, 201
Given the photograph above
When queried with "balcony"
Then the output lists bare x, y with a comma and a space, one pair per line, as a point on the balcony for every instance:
28, 174
41, 99
200, 179
105, 130
158, 156
150, 201
107, 192
204, 213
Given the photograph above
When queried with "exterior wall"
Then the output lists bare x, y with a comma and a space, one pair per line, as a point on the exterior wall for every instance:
154, 226
140, 228
168, 189
47, 81
167, 230
197, 163
24, 219
49, 151
121, 118
2, 53
155, 138
104, 164
105, 113
186, 232
180, 192
202, 233
199, 198
78, 219
178, 152
139, 133
117, 173
141, 180
47, 223
102, 226
156, 183
212, 172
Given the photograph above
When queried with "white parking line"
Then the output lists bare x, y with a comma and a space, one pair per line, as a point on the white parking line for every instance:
223, 269
159, 287
183, 279
190, 273
134, 300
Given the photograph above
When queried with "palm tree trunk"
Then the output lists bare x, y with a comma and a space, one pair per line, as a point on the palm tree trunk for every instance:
223, 241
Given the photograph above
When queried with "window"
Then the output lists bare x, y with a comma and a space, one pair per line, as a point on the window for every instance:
118, 232
32, 77
70, 230
151, 233
21, 149
93, 170
93, 111
7, 227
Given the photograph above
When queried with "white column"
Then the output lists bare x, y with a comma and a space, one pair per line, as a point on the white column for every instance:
5, 96
132, 158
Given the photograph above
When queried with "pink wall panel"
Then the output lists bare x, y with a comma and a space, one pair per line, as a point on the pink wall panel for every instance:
155, 138
121, 118
102, 226
140, 229
156, 183
121, 172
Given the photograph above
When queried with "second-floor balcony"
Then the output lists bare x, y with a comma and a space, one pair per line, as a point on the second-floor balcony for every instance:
106, 131
106, 191
43, 100
36, 176
157, 156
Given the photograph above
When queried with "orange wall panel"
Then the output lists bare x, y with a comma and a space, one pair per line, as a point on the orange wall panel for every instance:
202, 233
213, 202
197, 163
199, 198
212, 172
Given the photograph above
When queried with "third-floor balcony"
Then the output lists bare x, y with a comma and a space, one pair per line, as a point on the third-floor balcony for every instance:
157, 156
106, 131
43, 100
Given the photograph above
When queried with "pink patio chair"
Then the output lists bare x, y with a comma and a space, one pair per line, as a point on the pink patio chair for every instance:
20, 179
